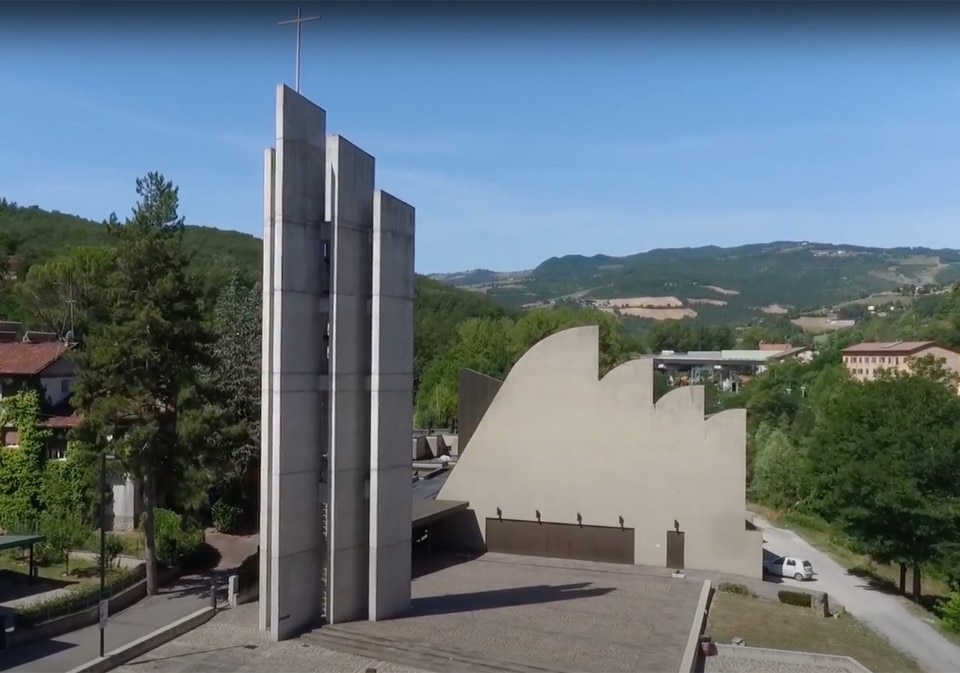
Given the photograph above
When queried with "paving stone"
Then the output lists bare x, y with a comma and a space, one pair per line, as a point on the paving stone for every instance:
540, 613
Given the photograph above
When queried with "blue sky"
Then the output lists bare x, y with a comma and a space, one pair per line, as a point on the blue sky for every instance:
518, 132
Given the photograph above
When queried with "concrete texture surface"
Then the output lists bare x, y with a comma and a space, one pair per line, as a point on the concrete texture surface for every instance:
740, 658
349, 194
121, 655
74, 649
391, 405
578, 449
294, 365
727, 664
884, 613
552, 614
230, 642
319, 446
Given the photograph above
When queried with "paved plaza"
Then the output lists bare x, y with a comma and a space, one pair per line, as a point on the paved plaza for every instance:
497, 612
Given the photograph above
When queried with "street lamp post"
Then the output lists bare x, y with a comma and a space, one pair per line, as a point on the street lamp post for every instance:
103, 542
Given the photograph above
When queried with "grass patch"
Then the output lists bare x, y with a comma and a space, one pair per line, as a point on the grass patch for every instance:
81, 570
770, 624
132, 542
880, 576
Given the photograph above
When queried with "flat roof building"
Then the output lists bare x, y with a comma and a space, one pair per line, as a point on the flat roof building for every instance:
864, 360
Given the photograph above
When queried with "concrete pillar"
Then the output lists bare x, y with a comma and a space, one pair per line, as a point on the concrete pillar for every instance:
294, 369
391, 402
350, 180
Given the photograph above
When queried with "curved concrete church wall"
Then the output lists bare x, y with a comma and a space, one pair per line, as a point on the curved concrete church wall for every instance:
558, 440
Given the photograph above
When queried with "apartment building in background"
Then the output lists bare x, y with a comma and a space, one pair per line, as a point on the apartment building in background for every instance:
865, 359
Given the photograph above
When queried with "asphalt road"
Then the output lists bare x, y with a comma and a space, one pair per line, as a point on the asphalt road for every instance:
884, 613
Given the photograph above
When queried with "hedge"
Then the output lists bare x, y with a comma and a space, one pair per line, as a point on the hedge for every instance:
798, 598
733, 588
76, 600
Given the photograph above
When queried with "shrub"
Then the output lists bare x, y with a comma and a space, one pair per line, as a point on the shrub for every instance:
226, 517
174, 542
734, 588
113, 547
950, 612
798, 598
81, 598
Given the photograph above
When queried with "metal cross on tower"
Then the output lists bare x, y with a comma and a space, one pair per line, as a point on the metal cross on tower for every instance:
299, 21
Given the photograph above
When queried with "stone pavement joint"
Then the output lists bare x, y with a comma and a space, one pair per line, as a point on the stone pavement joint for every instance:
413, 652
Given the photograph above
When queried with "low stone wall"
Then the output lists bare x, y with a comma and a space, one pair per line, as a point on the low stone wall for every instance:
691, 652
141, 646
769, 590
78, 620
767, 656
237, 595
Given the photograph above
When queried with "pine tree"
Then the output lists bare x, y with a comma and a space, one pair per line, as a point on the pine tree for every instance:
137, 378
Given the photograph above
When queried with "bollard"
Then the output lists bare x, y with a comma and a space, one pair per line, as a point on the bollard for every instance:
7, 628
213, 596
233, 590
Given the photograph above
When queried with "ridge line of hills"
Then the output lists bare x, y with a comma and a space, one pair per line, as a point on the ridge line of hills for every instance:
712, 284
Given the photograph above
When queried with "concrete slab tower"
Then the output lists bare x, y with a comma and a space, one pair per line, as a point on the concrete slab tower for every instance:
337, 382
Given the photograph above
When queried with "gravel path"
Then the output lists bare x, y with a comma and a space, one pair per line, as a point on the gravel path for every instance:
885, 614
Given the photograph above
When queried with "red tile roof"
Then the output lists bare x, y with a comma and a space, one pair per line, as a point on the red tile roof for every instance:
68, 422
26, 359
884, 348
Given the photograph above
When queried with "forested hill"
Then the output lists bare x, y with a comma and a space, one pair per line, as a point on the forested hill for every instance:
31, 236
720, 284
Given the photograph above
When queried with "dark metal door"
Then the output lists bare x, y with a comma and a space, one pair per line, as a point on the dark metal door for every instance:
561, 540
675, 549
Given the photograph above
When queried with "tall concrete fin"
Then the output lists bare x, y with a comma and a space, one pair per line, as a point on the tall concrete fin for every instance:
266, 401
292, 547
349, 190
391, 402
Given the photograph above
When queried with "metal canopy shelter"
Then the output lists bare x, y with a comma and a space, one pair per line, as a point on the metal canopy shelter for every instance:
19, 542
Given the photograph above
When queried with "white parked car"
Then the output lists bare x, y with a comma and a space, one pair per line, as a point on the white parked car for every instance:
789, 566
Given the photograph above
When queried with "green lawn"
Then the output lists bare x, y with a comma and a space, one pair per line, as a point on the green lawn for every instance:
765, 623
132, 542
80, 570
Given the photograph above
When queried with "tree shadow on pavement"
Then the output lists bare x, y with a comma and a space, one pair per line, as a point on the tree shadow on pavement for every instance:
874, 582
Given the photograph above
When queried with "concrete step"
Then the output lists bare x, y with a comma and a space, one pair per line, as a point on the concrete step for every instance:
429, 656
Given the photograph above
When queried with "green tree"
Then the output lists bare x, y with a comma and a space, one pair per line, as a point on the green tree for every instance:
886, 460
139, 368
779, 471
64, 530
235, 375
64, 292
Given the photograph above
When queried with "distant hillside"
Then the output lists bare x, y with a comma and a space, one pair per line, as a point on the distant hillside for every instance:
713, 284
31, 235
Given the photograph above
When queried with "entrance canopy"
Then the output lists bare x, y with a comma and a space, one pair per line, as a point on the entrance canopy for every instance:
426, 512
19, 541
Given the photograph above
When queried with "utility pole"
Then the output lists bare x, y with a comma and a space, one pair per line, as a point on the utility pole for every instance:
299, 21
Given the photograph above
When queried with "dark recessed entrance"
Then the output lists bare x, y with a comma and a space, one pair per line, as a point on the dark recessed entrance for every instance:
675, 549
609, 544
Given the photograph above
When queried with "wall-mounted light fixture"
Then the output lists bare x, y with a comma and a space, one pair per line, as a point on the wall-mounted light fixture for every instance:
621, 522
538, 516
676, 525
499, 514
579, 520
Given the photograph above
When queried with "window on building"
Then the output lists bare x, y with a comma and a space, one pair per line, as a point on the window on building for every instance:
64, 385
57, 449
